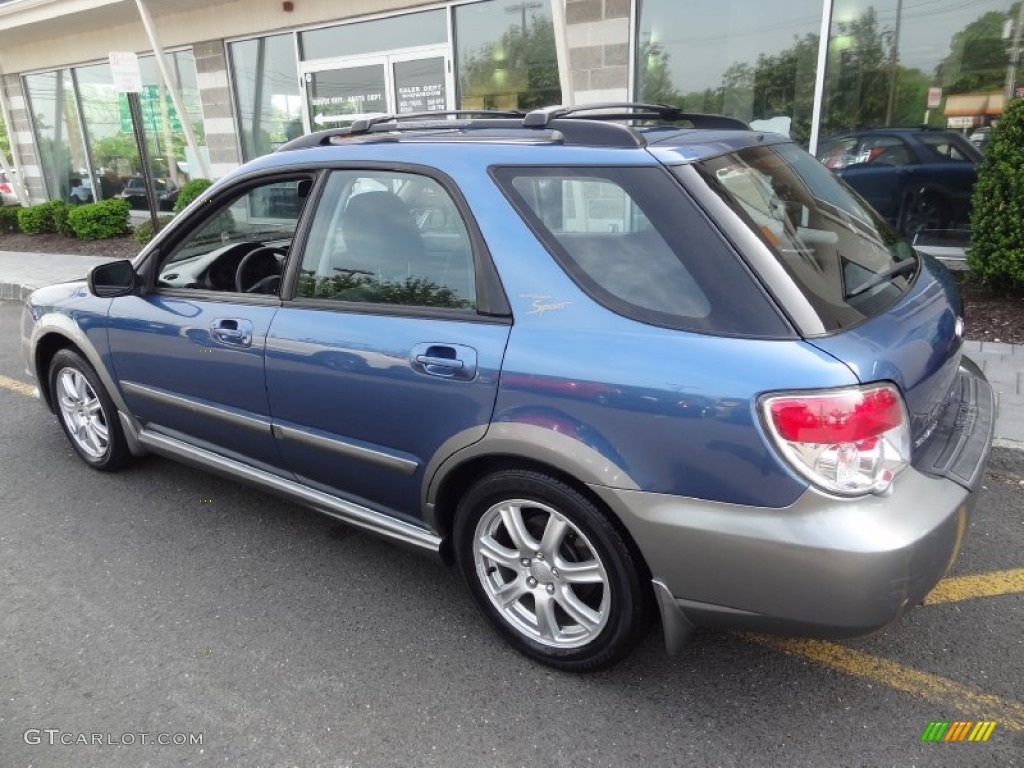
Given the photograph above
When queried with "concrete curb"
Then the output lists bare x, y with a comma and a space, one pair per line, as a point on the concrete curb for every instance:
16, 291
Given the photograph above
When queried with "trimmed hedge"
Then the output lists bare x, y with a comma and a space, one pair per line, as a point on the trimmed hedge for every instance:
190, 192
97, 221
8, 219
996, 255
45, 217
144, 231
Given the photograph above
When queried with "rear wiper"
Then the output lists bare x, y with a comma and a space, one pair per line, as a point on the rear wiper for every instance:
899, 268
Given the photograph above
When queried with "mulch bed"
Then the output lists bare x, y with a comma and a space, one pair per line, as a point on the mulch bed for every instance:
989, 315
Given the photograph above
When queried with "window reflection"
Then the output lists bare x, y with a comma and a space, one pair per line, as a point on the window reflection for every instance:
908, 62
724, 56
58, 132
267, 93
506, 55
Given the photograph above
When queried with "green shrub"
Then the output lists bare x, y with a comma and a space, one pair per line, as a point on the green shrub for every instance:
59, 213
144, 232
8, 219
190, 192
45, 217
996, 255
96, 221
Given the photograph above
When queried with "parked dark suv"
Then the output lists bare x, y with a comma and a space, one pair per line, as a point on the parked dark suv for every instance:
919, 179
607, 363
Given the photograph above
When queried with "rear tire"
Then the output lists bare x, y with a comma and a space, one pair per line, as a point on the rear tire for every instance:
86, 413
549, 570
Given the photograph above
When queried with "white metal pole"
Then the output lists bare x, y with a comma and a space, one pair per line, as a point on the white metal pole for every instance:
172, 86
819, 76
562, 51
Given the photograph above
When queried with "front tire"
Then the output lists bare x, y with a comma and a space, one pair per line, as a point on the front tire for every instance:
86, 413
549, 570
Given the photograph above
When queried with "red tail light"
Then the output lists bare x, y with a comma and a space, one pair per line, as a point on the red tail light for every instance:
850, 442
5, 188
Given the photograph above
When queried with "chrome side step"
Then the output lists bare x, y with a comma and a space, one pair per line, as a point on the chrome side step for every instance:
345, 511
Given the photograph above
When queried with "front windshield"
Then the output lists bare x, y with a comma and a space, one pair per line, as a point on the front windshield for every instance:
845, 259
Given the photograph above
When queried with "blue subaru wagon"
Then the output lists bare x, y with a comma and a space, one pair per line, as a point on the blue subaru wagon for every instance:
609, 362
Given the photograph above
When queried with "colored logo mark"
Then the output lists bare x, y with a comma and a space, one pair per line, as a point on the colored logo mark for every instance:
959, 730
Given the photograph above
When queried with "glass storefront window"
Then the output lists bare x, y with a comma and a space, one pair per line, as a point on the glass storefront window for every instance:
404, 31
168, 147
505, 51
108, 130
727, 57
267, 93
907, 62
58, 132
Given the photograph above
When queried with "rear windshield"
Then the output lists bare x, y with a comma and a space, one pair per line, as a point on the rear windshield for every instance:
635, 242
844, 257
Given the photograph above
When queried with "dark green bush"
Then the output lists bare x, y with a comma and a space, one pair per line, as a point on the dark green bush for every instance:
97, 221
144, 232
190, 192
61, 224
45, 217
996, 255
8, 219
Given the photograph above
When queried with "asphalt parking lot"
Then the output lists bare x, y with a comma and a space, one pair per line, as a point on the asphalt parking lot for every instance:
164, 601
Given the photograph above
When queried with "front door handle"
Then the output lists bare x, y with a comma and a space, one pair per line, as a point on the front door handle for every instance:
232, 331
446, 361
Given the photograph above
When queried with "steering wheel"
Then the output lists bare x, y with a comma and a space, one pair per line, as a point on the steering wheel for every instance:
256, 269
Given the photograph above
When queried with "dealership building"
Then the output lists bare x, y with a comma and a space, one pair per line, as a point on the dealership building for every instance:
248, 75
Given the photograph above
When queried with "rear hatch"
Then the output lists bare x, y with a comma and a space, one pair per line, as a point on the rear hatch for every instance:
882, 309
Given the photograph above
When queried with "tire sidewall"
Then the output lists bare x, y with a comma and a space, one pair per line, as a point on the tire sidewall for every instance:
117, 453
625, 611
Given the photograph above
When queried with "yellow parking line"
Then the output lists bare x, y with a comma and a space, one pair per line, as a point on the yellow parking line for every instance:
941, 691
981, 585
21, 387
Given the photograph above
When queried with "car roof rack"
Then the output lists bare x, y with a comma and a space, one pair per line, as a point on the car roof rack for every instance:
628, 110
599, 124
364, 125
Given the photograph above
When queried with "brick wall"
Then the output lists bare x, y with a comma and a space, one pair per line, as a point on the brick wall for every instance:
597, 33
218, 114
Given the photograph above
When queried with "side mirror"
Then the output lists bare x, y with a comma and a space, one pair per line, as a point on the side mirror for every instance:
114, 279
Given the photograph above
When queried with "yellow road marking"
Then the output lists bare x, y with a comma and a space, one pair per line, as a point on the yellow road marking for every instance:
21, 387
981, 585
924, 685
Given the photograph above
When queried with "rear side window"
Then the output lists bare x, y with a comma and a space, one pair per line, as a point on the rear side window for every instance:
632, 239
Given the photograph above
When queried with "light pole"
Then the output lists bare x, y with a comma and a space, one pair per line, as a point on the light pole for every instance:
523, 7
1014, 63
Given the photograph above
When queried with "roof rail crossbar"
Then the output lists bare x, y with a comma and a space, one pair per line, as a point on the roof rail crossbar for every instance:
364, 124
631, 111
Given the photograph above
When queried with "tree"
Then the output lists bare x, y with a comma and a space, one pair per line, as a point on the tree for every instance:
655, 84
996, 255
520, 71
977, 55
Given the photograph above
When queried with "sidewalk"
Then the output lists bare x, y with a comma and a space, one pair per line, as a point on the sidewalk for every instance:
21, 273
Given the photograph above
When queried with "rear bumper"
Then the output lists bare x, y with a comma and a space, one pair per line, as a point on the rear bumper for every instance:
822, 567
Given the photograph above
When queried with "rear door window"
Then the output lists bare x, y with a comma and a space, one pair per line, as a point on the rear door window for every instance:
632, 239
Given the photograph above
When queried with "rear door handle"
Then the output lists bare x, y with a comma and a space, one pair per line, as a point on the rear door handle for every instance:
446, 361
439, 362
